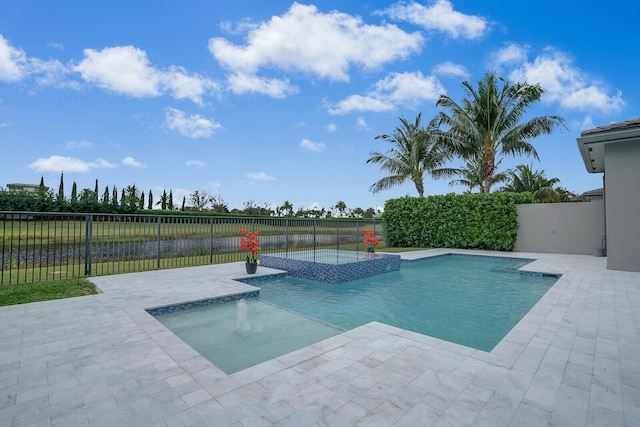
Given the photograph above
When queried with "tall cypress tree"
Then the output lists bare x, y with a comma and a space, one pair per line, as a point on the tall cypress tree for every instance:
150, 207
74, 193
95, 190
105, 196
123, 199
60, 198
184, 200
114, 198
170, 200
141, 200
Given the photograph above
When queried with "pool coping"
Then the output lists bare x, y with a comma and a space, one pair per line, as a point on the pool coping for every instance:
572, 359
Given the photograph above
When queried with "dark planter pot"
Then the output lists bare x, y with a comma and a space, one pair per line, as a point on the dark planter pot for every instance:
252, 267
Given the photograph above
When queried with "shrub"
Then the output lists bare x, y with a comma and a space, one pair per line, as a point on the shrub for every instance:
466, 221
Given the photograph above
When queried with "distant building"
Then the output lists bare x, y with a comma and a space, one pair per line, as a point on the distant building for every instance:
28, 188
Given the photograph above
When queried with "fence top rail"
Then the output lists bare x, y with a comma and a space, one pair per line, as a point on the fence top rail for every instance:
229, 218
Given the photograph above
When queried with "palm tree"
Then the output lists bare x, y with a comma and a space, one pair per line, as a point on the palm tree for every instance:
488, 122
524, 178
287, 208
471, 175
164, 200
341, 207
416, 152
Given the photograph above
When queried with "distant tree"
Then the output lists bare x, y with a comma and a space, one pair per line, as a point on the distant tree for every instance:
218, 204
287, 208
114, 199
164, 199
150, 206
370, 213
184, 201
60, 199
523, 178
130, 199
341, 207
141, 204
199, 200
170, 203
41, 188
489, 122
415, 152
87, 201
95, 191
358, 212
105, 196
74, 193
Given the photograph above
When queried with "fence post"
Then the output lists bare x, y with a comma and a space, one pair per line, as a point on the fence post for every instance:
88, 255
315, 221
338, 235
286, 235
158, 260
210, 240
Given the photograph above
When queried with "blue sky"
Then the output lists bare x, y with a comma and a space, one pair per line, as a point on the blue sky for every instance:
273, 101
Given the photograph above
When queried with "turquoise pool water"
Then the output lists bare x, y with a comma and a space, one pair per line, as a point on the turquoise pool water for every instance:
473, 301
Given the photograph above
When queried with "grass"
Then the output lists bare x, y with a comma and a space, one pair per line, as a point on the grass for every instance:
66, 281
35, 292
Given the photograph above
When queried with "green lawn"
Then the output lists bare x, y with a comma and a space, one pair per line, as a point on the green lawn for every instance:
34, 292
48, 289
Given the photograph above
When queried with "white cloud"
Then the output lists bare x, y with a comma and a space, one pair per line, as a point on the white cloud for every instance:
361, 124
12, 62
259, 176
304, 39
331, 127
194, 163
72, 145
510, 54
439, 16
185, 86
244, 25
359, 103
130, 161
15, 65
241, 83
450, 69
122, 69
308, 145
68, 164
587, 123
193, 126
128, 71
405, 89
566, 84
55, 45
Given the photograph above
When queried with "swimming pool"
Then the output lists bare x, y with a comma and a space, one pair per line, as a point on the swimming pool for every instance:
470, 300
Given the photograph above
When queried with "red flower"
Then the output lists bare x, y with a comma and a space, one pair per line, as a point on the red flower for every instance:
369, 237
251, 244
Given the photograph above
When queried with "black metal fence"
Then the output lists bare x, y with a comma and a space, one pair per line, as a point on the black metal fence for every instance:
38, 247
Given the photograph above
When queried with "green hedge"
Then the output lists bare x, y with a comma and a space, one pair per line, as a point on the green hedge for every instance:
467, 221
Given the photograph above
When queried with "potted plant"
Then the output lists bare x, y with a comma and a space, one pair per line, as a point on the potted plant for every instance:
251, 244
369, 239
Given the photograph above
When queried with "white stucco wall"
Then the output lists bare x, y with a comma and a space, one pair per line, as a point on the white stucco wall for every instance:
622, 195
567, 228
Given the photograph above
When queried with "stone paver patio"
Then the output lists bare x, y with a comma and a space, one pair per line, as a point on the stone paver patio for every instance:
573, 360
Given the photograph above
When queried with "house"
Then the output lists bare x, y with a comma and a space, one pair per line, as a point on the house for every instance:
28, 188
614, 150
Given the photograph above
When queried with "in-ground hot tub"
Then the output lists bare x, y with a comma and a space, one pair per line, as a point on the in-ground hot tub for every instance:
330, 265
